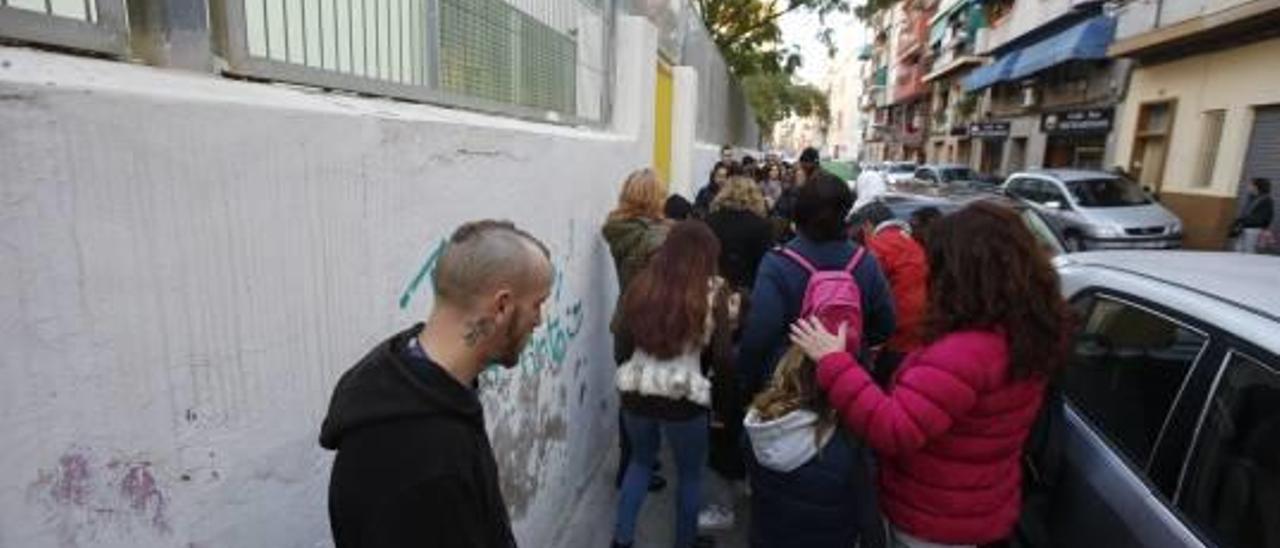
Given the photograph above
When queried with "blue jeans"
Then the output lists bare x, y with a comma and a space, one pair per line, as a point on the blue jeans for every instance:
688, 441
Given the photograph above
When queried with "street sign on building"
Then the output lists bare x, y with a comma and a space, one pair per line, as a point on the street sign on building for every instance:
1092, 120
989, 130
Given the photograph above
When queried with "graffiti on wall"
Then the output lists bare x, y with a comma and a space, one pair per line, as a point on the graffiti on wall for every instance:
549, 345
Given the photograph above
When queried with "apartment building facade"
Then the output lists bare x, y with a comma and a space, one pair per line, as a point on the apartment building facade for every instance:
1203, 111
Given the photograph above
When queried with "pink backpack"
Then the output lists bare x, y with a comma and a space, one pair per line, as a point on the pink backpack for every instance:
833, 295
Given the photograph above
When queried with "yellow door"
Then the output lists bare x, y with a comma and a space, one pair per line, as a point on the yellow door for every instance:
662, 123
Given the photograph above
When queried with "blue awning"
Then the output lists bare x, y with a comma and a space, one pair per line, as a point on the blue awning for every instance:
1088, 39
989, 75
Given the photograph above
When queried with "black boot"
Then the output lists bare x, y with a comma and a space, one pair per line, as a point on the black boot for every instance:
657, 483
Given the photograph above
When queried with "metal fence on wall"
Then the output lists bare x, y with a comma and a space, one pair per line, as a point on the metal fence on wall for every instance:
540, 59
548, 60
91, 25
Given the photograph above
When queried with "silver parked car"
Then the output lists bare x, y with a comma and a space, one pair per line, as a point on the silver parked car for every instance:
930, 177
898, 172
1165, 431
1097, 210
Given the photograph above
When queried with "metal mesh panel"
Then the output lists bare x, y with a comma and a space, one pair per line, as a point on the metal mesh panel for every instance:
476, 48
524, 57
490, 49
547, 61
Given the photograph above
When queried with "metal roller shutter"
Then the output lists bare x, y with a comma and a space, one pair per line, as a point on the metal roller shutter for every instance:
1263, 158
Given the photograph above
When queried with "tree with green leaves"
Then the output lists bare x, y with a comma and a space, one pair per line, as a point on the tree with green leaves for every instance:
748, 35
774, 97
749, 38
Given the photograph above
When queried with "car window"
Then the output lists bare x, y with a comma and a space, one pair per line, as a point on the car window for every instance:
958, 174
902, 168
1044, 234
1034, 190
1233, 484
1126, 368
1050, 192
925, 175
1017, 187
1107, 193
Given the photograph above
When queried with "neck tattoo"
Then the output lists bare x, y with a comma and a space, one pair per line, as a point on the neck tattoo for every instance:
477, 329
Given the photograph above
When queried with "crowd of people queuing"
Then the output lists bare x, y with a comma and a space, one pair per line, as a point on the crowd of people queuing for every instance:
869, 381
872, 379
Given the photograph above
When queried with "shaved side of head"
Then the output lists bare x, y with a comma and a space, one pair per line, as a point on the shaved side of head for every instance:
482, 256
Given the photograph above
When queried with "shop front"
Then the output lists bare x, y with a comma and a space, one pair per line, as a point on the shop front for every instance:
991, 137
1076, 138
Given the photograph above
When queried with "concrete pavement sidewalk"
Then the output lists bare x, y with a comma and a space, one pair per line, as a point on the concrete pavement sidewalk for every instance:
591, 525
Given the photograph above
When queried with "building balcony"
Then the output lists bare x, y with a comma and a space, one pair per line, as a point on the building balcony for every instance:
1163, 28
914, 35
909, 84
956, 53
879, 79
871, 98
1026, 17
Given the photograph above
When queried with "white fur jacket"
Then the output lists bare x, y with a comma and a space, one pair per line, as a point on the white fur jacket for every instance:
679, 378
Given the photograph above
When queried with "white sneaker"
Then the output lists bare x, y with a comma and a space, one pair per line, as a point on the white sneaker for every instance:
715, 517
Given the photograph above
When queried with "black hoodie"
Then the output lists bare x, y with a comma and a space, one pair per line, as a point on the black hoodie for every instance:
414, 464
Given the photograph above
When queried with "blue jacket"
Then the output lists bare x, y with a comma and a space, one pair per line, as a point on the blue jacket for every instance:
830, 502
778, 294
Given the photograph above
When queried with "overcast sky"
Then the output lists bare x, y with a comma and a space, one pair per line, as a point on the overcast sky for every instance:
802, 29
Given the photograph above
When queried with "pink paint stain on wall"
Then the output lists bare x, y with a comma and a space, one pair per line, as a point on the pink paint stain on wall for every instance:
71, 485
88, 500
139, 488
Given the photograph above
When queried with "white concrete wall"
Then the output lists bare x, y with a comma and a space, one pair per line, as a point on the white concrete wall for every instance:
190, 263
705, 156
684, 129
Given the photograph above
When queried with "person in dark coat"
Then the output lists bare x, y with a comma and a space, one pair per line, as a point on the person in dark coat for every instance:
702, 202
677, 208
738, 220
809, 480
821, 209
822, 206
414, 466
738, 217
1257, 216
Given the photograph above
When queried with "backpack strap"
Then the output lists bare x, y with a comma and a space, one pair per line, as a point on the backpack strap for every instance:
798, 258
857, 258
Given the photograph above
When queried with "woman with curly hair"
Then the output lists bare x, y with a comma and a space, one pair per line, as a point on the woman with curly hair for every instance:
739, 219
950, 428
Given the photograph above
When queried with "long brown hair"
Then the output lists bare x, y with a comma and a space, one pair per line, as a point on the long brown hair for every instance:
642, 196
665, 306
986, 271
794, 386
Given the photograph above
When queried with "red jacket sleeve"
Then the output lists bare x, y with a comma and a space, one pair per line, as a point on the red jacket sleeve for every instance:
922, 404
